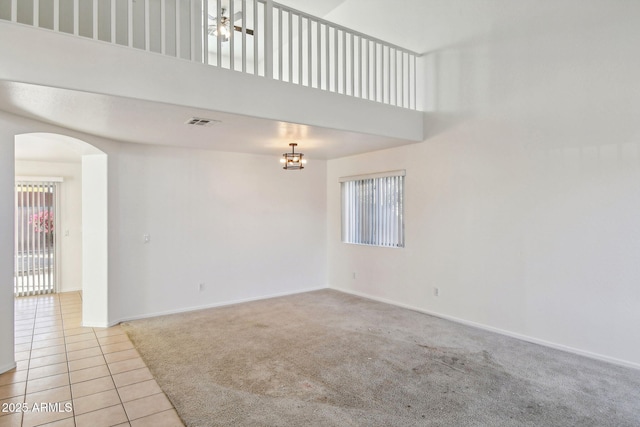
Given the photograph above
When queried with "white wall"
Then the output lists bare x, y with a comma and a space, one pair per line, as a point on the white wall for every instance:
95, 241
521, 205
7, 360
238, 223
70, 208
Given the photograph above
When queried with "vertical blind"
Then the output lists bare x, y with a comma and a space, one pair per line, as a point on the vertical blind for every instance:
373, 209
34, 254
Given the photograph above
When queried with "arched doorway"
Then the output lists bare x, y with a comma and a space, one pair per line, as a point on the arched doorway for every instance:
83, 237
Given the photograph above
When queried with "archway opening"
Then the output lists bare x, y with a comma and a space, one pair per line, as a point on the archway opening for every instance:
82, 237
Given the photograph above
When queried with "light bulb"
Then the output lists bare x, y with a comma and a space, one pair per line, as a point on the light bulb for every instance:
304, 161
282, 161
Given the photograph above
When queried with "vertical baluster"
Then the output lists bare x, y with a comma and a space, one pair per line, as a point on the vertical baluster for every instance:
232, 37
415, 82
396, 77
163, 26
359, 74
147, 29
375, 71
36, 13
389, 75
361, 68
256, 33
192, 31
268, 40
309, 53
335, 60
409, 79
129, 23
367, 68
56, 15
328, 56
14, 10
113, 21
382, 73
319, 53
402, 79
290, 40
353, 72
76, 18
218, 34
205, 32
244, 36
344, 62
178, 30
95, 19
280, 53
300, 61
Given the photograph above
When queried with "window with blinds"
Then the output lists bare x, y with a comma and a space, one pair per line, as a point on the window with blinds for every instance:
373, 209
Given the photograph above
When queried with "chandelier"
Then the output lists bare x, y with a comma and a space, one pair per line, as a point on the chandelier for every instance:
293, 160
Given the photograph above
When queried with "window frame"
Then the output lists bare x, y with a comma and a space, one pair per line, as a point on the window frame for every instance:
367, 205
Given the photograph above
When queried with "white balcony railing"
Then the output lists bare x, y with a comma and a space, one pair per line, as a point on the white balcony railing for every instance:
257, 37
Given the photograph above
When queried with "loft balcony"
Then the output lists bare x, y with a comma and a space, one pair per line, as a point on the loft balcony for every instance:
254, 58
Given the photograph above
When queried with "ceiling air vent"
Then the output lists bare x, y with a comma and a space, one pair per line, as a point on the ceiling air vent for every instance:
196, 121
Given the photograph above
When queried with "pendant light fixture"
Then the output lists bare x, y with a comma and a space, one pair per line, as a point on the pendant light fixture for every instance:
293, 160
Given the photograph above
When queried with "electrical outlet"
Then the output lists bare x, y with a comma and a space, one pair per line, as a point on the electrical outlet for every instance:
146, 238
436, 292
200, 287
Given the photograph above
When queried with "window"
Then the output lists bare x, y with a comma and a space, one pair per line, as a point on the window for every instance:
373, 209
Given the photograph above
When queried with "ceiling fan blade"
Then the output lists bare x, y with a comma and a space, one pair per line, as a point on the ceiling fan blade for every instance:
238, 28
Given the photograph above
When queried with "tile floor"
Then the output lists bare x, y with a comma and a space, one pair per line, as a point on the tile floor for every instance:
89, 376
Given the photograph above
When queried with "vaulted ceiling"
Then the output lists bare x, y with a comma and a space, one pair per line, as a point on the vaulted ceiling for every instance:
423, 26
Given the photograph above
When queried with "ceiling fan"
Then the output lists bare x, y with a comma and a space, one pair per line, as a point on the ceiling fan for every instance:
225, 23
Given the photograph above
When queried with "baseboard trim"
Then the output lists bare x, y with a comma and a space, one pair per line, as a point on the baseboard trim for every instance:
527, 338
8, 367
217, 304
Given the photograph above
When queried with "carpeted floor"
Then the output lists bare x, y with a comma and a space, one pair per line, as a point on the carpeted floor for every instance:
330, 359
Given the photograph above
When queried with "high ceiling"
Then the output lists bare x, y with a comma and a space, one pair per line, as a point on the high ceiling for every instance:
420, 25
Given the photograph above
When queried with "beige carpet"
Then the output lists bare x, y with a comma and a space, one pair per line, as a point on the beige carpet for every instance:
330, 359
